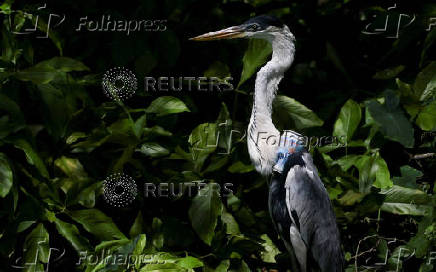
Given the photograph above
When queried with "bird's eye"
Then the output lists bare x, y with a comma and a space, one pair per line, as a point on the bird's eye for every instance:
253, 27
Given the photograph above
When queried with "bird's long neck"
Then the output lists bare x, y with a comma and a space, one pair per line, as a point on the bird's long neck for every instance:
267, 81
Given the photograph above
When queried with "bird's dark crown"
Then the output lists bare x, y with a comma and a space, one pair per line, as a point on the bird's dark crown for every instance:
264, 21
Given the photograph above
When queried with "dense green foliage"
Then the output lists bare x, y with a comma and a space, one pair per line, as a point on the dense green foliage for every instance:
60, 136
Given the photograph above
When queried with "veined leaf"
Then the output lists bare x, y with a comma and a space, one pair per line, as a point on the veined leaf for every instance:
232, 226
31, 156
408, 177
57, 110
270, 250
204, 212
423, 79
50, 70
13, 120
389, 73
393, 123
373, 171
6, 176
426, 119
406, 209
256, 54
71, 167
36, 248
203, 141
348, 120
97, 223
153, 150
72, 234
240, 167
398, 194
288, 111
138, 226
165, 105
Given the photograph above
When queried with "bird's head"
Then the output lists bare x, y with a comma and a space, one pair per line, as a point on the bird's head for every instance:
262, 27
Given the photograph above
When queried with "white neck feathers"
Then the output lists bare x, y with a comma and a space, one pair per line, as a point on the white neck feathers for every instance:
263, 155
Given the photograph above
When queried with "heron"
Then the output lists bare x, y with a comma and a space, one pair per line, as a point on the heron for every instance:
298, 202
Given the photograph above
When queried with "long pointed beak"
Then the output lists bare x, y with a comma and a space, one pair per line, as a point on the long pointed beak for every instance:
228, 33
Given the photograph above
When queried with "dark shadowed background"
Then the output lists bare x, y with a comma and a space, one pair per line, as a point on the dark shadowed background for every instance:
364, 71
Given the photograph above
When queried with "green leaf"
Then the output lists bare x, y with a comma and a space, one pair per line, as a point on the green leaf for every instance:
347, 161
398, 194
166, 267
56, 109
63, 64
6, 6
204, 211
139, 125
139, 248
389, 73
426, 119
165, 105
203, 141
256, 55
287, 110
189, 262
50, 70
153, 150
350, 198
158, 236
24, 225
270, 250
229, 221
420, 242
12, 119
111, 245
242, 267
222, 267
97, 223
217, 69
406, 91
31, 156
406, 209
74, 137
156, 131
216, 163
163, 261
71, 167
36, 247
140, 244
393, 123
348, 120
6, 176
364, 164
382, 175
240, 167
430, 90
72, 234
408, 177
334, 192
80, 190
123, 250
373, 171
138, 226
423, 79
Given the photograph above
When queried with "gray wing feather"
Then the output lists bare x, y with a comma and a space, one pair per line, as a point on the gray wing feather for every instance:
311, 212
